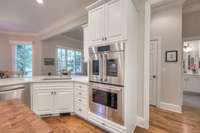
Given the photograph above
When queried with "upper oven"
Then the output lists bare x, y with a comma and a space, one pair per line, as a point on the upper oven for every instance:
107, 64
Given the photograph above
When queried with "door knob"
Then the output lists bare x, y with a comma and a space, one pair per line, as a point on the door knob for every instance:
154, 76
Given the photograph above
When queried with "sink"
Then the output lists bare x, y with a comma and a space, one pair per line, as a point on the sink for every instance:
58, 78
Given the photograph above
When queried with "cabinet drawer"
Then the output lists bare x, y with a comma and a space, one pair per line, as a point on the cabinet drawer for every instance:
80, 93
52, 85
81, 101
81, 110
81, 86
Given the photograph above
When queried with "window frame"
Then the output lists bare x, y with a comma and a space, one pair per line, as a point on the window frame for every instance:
67, 48
13, 50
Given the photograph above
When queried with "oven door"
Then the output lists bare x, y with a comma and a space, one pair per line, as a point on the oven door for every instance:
98, 101
113, 68
96, 67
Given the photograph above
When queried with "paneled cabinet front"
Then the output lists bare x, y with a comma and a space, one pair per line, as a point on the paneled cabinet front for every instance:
107, 23
43, 102
52, 99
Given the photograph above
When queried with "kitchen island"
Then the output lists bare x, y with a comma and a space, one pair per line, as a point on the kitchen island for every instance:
17, 118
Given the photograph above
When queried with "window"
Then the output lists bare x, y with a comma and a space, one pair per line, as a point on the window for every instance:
69, 59
23, 59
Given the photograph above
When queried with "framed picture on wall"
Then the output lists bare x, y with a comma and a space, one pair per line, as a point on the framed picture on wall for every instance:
171, 56
49, 61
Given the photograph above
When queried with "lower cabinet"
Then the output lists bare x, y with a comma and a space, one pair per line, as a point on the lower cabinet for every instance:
52, 99
81, 100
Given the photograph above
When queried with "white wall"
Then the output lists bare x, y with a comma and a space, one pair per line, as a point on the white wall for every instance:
6, 51
49, 50
191, 27
167, 24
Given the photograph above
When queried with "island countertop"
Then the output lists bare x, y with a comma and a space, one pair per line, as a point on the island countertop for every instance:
17, 118
38, 79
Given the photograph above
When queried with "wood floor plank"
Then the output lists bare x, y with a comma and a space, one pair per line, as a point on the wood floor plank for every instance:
161, 121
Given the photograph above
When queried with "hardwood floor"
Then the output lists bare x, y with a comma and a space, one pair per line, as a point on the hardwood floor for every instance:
71, 124
161, 121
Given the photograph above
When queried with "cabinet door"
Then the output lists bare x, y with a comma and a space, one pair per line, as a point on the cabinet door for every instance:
115, 22
97, 25
43, 102
63, 101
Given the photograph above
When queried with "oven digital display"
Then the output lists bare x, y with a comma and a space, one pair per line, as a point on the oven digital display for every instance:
103, 48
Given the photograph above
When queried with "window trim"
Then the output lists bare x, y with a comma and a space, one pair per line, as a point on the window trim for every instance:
13, 50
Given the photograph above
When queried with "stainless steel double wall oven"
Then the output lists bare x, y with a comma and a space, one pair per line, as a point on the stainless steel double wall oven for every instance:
107, 81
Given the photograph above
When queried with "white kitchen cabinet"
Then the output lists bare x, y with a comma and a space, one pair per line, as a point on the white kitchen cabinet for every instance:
81, 100
107, 23
52, 98
63, 101
115, 24
97, 24
43, 102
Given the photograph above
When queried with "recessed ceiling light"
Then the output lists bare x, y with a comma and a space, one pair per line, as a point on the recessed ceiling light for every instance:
40, 1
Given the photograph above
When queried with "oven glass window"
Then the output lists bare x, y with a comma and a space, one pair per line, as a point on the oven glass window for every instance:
108, 99
95, 67
112, 67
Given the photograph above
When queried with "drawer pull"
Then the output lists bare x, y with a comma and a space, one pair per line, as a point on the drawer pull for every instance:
103, 124
80, 86
80, 110
79, 100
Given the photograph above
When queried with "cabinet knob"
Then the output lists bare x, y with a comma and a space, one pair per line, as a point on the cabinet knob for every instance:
80, 93
80, 110
52, 93
105, 38
79, 100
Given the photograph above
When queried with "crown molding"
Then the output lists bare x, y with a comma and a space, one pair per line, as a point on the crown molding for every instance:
164, 4
195, 7
19, 34
63, 26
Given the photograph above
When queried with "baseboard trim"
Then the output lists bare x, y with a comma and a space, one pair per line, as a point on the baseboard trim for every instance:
170, 107
142, 123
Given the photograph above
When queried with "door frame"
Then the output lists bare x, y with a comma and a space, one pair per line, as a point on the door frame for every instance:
159, 68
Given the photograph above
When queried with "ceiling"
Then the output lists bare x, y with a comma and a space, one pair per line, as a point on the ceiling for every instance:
76, 33
30, 17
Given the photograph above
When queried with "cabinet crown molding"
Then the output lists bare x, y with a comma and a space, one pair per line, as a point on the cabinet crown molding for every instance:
96, 4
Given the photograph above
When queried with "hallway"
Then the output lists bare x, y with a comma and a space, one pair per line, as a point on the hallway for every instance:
162, 121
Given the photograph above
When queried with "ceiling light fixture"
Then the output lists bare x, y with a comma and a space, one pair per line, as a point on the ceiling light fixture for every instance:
40, 1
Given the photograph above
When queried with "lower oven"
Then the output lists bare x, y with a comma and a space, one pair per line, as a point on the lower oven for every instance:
107, 101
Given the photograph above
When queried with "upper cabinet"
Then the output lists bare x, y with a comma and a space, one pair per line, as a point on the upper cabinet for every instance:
97, 24
107, 23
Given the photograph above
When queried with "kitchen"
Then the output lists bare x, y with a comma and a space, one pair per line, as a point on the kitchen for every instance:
94, 77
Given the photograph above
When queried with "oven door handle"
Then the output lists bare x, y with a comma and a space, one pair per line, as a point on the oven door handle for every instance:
106, 89
105, 68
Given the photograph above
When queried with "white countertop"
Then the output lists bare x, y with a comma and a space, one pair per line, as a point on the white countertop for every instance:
39, 79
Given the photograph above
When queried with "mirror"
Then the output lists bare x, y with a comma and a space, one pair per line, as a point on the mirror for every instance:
191, 57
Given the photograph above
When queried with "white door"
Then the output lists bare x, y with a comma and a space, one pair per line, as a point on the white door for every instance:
63, 101
97, 24
43, 102
114, 20
153, 72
